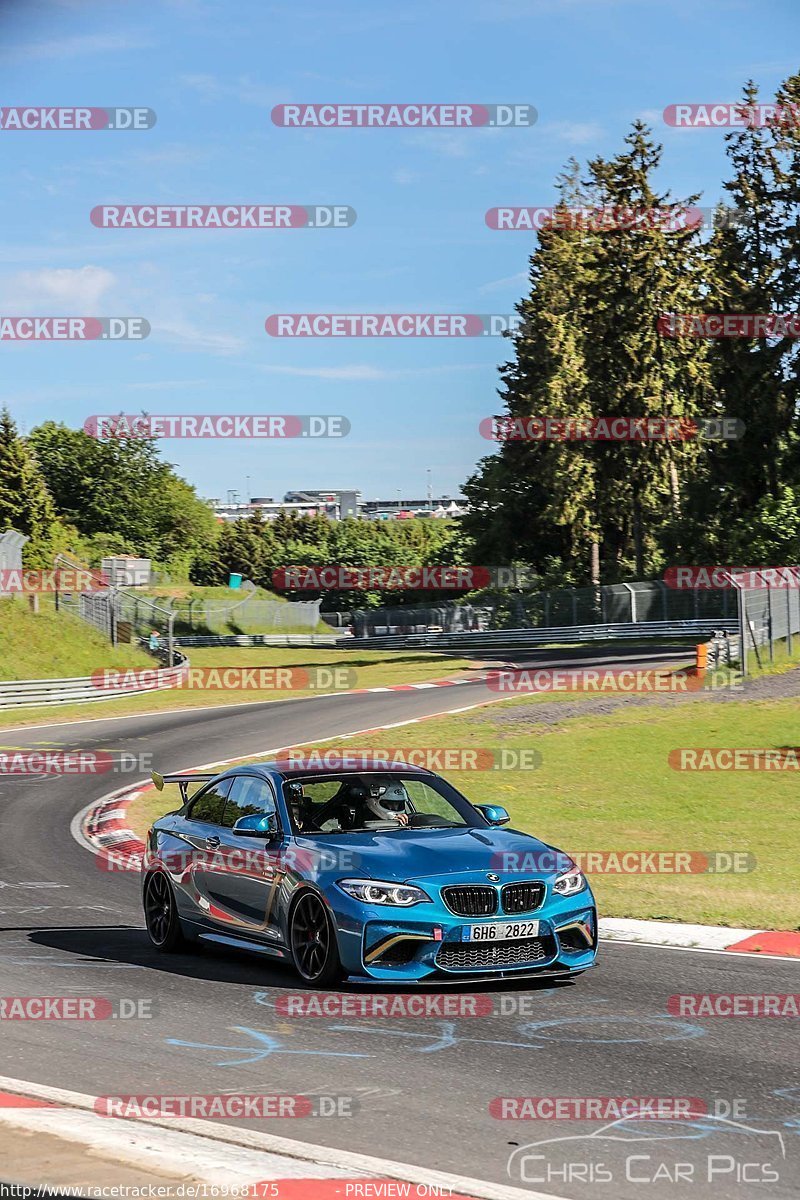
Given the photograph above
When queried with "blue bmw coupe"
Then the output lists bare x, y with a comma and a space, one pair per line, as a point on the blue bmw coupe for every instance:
387, 876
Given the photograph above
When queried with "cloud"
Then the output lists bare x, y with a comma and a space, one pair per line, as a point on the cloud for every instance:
457, 143
403, 176
79, 290
498, 285
184, 334
244, 89
75, 47
576, 133
363, 373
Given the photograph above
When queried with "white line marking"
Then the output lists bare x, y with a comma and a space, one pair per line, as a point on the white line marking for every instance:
751, 954
87, 1126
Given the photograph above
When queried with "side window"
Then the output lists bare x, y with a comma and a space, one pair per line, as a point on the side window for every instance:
248, 795
210, 804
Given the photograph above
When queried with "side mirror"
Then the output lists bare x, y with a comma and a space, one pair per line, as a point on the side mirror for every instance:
495, 813
263, 825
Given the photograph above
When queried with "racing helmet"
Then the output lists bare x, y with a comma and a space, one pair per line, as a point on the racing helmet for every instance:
386, 802
297, 799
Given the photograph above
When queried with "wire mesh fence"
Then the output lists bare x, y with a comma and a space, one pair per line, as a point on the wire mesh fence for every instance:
250, 615
124, 615
769, 613
554, 607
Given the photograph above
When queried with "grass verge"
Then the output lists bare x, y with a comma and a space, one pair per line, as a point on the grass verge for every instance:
605, 784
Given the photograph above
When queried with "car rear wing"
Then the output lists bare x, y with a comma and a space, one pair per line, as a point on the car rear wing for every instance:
183, 779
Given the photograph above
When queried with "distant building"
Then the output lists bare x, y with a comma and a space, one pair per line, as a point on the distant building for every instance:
337, 505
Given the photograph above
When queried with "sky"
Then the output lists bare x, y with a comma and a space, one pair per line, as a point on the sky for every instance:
212, 70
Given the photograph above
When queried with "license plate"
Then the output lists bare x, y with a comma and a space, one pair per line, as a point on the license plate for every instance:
500, 931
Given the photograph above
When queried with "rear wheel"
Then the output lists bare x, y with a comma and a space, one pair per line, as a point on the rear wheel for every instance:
313, 942
161, 915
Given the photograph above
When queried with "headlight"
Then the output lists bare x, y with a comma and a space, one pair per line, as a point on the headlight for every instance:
376, 892
569, 884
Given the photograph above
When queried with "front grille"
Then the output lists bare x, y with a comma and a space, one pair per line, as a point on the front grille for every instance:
523, 897
470, 901
469, 956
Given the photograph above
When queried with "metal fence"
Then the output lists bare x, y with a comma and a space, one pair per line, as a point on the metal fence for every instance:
448, 617
125, 615
252, 614
330, 640
553, 607
509, 639
769, 612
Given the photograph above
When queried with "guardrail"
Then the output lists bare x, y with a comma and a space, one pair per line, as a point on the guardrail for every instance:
35, 693
504, 639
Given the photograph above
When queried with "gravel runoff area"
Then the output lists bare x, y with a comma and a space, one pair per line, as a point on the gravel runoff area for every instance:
768, 687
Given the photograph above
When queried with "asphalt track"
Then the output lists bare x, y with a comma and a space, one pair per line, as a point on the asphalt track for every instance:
422, 1086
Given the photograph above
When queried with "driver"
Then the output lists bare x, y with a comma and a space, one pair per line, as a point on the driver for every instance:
300, 805
390, 803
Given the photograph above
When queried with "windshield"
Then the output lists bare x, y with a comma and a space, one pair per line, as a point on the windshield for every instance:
354, 803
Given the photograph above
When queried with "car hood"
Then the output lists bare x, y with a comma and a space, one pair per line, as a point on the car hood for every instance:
403, 854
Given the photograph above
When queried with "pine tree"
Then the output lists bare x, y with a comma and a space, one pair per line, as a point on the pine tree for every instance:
753, 270
643, 267
533, 501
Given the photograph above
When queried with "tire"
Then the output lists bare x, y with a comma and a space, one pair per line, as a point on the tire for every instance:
161, 915
313, 942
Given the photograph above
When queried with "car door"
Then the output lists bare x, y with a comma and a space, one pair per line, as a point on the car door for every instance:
200, 830
247, 870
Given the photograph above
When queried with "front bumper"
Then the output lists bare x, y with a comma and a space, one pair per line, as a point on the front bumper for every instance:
425, 943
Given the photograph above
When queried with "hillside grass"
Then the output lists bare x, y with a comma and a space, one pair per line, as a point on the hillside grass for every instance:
51, 645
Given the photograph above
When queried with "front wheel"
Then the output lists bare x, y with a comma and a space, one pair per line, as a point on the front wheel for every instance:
313, 942
161, 915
